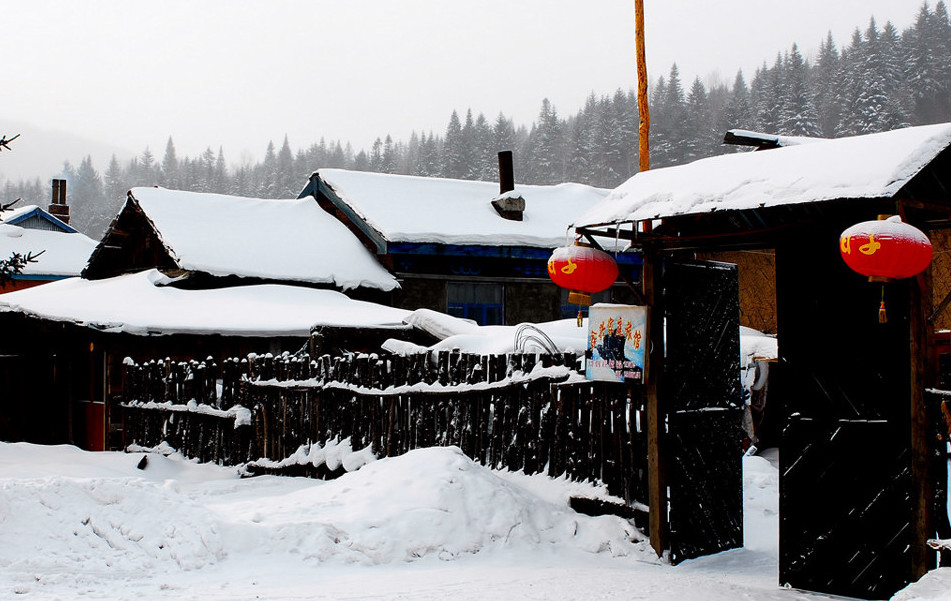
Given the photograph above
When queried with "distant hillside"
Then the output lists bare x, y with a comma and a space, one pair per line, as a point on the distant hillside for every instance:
40, 153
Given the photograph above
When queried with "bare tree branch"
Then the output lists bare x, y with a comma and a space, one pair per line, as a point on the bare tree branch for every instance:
5, 142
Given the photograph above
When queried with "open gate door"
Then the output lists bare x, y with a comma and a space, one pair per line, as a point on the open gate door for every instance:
701, 397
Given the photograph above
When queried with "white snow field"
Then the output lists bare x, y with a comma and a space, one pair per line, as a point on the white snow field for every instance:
428, 525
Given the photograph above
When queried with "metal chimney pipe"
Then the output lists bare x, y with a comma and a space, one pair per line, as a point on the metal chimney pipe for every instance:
506, 172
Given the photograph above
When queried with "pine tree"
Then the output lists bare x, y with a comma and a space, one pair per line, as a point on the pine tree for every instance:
429, 156
901, 103
170, 176
607, 143
90, 212
927, 64
286, 179
222, 185
628, 120
388, 158
738, 113
547, 164
699, 135
797, 111
485, 155
453, 154
580, 153
765, 96
850, 86
824, 84
267, 186
668, 125
113, 181
470, 170
206, 182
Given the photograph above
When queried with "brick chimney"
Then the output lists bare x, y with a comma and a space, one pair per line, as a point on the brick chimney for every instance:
508, 204
58, 206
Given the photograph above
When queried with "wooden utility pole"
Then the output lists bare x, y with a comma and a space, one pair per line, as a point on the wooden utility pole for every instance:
643, 129
656, 474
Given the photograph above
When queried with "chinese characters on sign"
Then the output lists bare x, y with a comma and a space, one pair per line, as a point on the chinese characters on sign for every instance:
617, 338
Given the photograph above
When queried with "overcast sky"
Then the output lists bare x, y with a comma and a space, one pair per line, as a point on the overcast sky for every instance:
239, 73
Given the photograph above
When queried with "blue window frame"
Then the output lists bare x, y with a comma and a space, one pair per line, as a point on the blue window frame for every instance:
480, 302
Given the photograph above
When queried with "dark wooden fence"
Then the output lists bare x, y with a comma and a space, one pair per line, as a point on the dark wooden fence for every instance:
518, 412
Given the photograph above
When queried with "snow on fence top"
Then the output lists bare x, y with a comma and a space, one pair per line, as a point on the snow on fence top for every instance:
285, 239
407, 208
870, 166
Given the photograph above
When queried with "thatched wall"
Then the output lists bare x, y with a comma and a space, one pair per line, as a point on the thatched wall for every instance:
941, 274
757, 273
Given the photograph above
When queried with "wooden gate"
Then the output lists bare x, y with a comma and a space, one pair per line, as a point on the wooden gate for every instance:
843, 384
702, 400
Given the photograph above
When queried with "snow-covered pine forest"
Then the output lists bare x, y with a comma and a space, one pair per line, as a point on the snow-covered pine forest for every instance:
881, 79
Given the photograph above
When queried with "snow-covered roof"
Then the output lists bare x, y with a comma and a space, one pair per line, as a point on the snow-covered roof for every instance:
406, 208
64, 254
28, 213
286, 239
870, 166
143, 304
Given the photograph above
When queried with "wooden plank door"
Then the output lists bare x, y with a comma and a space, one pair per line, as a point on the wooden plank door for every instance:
701, 398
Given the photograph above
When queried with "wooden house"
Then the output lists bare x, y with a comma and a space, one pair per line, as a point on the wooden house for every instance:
59, 250
177, 274
863, 444
472, 249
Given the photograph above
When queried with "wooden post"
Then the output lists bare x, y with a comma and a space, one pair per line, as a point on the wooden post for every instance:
656, 422
923, 490
643, 129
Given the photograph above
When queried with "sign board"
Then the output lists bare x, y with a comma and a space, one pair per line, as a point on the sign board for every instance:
617, 338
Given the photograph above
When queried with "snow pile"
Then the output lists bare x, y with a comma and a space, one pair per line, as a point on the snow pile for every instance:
933, 586
468, 336
756, 345
68, 516
760, 507
432, 501
428, 525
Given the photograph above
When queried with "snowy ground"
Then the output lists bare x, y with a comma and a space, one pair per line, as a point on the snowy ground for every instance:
428, 525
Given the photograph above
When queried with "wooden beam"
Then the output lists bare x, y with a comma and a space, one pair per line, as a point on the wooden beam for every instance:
656, 422
937, 206
922, 366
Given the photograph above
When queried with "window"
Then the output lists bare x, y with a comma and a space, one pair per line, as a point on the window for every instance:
481, 303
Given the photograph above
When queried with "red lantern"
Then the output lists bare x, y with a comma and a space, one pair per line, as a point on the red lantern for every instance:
582, 268
886, 249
